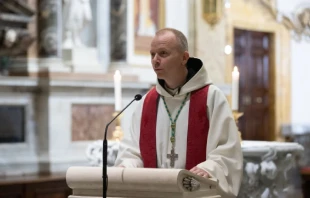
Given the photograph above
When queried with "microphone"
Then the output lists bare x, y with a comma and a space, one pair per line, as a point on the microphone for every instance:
105, 150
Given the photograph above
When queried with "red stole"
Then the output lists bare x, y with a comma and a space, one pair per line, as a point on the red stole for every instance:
198, 128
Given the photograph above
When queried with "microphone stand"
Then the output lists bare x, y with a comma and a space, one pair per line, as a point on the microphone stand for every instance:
105, 151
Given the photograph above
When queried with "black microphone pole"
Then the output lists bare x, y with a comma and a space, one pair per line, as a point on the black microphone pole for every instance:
105, 151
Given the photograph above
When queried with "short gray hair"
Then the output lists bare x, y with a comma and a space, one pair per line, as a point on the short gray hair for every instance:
182, 40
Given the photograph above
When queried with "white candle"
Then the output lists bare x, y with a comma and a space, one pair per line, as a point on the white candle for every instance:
118, 90
235, 89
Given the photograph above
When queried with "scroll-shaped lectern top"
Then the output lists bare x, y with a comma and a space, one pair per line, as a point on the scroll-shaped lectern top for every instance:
86, 182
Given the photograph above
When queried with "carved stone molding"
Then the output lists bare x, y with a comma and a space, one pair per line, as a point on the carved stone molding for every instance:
301, 23
299, 133
270, 169
94, 153
298, 21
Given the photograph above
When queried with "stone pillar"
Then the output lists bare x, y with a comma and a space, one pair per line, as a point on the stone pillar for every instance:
103, 33
118, 29
49, 28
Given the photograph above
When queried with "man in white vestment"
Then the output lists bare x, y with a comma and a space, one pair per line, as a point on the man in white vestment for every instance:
175, 122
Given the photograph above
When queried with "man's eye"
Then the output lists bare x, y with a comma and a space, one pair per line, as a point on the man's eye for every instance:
163, 53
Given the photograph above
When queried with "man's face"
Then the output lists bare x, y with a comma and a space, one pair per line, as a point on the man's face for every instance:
167, 59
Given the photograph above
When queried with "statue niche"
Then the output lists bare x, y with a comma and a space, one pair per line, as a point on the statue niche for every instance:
78, 56
77, 13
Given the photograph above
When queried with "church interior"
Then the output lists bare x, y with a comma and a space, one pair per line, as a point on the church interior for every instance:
69, 66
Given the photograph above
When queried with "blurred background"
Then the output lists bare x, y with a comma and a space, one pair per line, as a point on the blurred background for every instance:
67, 66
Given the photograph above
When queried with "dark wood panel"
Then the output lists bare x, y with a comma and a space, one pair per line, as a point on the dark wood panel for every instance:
12, 191
305, 173
53, 189
252, 56
51, 195
41, 186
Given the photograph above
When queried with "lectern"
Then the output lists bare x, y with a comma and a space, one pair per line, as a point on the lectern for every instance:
86, 182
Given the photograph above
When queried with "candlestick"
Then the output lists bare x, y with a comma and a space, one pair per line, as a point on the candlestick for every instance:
118, 90
235, 89
237, 115
117, 134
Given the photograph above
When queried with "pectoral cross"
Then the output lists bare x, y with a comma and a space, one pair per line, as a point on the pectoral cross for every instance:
172, 156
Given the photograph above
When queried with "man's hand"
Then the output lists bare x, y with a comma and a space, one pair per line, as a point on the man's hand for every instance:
200, 172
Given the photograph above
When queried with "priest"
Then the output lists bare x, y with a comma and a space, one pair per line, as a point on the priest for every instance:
185, 122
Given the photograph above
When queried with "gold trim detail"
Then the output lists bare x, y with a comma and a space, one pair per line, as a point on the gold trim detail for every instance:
212, 11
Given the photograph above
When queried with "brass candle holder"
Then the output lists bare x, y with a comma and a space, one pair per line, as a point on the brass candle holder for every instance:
237, 115
118, 132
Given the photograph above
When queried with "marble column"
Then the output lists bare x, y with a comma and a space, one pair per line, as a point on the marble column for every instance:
49, 28
118, 14
103, 33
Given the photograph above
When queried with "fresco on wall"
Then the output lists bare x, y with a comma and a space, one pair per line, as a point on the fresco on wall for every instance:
149, 16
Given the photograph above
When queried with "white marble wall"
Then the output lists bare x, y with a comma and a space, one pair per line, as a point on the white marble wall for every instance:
210, 44
13, 156
300, 69
64, 95
49, 146
103, 25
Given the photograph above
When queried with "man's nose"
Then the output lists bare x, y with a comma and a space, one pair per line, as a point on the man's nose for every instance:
155, 59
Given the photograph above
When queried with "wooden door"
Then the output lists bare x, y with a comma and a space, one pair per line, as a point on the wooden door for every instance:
252, 55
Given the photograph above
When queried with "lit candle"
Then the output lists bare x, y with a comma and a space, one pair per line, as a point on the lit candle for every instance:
118, 90
235, 89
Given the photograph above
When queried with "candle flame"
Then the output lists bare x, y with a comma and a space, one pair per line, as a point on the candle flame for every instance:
117, 75
236, 69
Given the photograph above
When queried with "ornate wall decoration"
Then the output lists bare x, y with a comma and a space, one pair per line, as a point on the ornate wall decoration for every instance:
302, 23
118, 29
94, 153
299, 133
49, 25
212, 11
298, 21
271, 170
48, 39
14, 36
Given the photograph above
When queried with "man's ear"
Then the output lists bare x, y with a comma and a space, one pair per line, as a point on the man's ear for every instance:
185, 57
